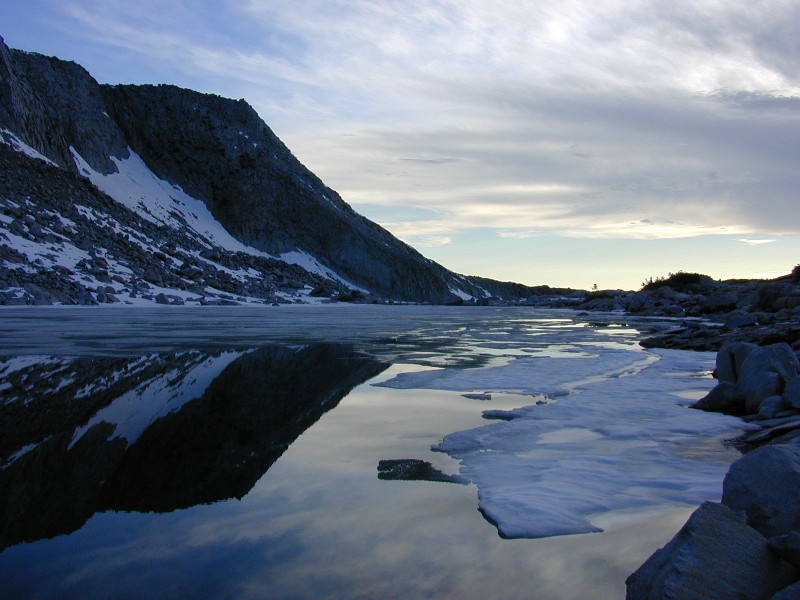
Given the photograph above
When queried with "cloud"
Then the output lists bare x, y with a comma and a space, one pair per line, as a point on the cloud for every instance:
756, 242
431, 241
614, 120
430, 161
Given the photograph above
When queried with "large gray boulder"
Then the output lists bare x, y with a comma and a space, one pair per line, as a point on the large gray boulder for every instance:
765, 484
730, 358
758, 387
715, 556
770, 407
764, 373
775, 358
720, 301
790, 593
723, 398
791, 393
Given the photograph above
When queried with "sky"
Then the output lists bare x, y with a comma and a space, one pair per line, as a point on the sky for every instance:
562, 142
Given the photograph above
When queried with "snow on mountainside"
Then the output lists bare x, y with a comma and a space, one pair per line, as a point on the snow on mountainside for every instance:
192, 199
155, 200
64, 241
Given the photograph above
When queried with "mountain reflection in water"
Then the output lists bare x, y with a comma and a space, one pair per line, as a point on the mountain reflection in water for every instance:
154, 433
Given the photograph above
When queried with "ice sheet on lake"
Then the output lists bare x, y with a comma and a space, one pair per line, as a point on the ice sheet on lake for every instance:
552, 376
617, 438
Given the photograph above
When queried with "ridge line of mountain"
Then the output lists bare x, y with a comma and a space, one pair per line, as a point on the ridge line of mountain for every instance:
220, 191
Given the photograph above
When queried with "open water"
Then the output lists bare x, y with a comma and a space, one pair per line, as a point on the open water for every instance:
343, 452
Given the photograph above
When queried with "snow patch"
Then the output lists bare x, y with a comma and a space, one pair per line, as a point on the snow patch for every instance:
461, 294
18, 363
9, 139
20, 453
312, 265
158, 201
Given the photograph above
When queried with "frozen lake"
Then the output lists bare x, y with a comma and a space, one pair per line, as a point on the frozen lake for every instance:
343, 452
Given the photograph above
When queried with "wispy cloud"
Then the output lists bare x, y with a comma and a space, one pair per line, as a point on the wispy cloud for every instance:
614, 120
756, 242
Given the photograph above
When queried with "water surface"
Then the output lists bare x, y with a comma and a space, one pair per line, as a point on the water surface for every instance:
258, 452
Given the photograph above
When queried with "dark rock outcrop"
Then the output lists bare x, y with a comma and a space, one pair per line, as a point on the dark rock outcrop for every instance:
765, 484
52, 104
754, 380
715, 556
412, 469
705, 314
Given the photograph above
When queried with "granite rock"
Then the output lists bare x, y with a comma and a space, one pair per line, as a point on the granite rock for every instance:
765, 484
715, 556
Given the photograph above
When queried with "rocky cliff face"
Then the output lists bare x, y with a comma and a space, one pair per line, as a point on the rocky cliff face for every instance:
64, 241
221, 152
52, 104
168, 154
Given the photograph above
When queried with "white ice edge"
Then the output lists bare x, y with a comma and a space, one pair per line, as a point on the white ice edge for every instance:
619, 441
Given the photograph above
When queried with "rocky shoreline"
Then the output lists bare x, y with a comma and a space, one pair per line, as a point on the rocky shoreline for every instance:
747, 545
708, 313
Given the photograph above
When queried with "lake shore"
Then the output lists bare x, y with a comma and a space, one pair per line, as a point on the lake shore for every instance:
748, 545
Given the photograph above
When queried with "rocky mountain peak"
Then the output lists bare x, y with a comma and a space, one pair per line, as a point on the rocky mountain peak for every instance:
52, 105
194, 198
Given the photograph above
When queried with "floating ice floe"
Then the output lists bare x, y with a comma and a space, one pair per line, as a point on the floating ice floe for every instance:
616, 438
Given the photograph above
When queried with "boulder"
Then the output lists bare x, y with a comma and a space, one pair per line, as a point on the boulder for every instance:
736, 321
765, 484
770, 407
730, 358
764, 373
720, 301
790, 593
671, 310
640, 301
716, 555
787, 546
723, 398
773, 429
775, 358
758, 386
791, 393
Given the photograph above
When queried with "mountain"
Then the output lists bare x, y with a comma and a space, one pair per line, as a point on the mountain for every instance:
148, 193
